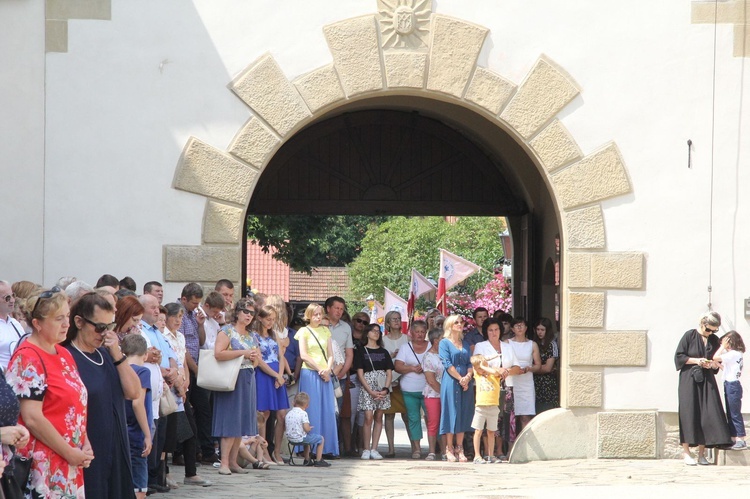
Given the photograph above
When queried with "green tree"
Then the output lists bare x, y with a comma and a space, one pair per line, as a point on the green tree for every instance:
307, 241
391, 249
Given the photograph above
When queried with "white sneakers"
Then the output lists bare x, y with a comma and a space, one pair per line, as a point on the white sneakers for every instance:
375, 455
365, 455
689, 460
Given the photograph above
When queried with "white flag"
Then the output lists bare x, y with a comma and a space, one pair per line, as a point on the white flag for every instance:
455, 269
395, 303
419, 286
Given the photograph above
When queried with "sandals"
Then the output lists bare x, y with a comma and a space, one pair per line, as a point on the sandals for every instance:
261, 466
461, 455
451, 458
416, 455
430, 457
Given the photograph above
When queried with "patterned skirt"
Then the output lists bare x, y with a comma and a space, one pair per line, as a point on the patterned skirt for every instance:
366, 402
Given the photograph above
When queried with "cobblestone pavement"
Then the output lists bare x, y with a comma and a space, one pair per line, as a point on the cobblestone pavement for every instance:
402, 477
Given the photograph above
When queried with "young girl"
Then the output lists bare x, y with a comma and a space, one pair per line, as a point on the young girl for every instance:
374, 370
730, 357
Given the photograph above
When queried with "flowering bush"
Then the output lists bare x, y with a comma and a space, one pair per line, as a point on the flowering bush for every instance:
495, 295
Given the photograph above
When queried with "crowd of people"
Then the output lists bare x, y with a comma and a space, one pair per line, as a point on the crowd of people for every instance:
101, 392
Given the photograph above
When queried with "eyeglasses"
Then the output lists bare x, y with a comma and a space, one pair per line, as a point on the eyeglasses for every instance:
45, 296
9, 297
362, 321
246, 311
100, 327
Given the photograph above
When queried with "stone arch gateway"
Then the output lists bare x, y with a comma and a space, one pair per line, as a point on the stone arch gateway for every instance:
402, 52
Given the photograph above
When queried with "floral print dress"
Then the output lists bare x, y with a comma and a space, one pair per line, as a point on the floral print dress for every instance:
53, 380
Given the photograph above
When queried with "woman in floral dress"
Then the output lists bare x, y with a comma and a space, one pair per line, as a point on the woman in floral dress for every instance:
53, 398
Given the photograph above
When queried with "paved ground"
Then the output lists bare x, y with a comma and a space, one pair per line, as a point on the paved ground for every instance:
404, 477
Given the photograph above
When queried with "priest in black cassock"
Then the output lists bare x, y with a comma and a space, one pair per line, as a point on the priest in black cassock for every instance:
702, 419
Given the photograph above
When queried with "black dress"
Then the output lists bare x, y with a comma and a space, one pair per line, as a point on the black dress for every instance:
10, 408
110, 473
702, 418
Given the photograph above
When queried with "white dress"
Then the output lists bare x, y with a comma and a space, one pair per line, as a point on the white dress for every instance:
524, 398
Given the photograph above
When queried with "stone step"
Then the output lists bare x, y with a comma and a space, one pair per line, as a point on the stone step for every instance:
733, 458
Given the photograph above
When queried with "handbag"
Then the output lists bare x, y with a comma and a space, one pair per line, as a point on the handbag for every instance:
184, 430
337, 391
382, 376
215, 375
167, 403
15, 478
696, 372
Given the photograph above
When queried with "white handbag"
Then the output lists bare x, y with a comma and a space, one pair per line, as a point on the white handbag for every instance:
217, 375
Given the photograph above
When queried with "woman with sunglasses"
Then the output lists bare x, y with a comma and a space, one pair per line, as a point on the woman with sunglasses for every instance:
53, 399
109, 381
235, 412
703, 422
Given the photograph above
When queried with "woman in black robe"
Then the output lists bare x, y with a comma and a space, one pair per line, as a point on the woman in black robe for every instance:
702, 419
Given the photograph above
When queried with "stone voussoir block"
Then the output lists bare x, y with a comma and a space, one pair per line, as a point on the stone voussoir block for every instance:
584, 389
489, 90
585, 228
579, 270
56, 35
405, 69
355, 48
545, 92
586, 309
555, 146
626, 435
202, 263
265, 88
598, 176
723, 12
608, 348
78, 9
254, 143
205, 170
320, 88
222, 223
617, 270
453, 53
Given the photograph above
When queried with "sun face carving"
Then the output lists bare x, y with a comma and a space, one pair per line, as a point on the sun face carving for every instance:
404, 23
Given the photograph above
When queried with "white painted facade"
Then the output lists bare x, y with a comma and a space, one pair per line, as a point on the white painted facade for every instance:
89, 139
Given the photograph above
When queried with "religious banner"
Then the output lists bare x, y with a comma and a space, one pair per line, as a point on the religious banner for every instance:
453, 270
419, 286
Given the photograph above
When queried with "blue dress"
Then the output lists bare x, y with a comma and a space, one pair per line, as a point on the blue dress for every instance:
270, 398
456, 405
234, 412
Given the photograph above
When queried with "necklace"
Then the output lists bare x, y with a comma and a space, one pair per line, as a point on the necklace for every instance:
101, 359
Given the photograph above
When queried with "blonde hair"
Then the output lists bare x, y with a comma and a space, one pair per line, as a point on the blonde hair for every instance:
301, 399
448, 325
25, 289
47, 306
711, 319
278, 304
310, 310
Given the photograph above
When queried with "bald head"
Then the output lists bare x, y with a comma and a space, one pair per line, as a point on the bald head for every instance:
151, 308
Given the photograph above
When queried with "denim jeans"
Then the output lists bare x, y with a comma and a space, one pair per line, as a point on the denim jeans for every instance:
733, 398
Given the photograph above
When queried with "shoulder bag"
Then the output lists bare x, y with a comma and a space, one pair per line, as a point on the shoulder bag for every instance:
167, 403
217, 375
382, 376
337, 391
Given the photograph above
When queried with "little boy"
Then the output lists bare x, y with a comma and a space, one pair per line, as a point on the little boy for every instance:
138, 413
298, 431
487, 381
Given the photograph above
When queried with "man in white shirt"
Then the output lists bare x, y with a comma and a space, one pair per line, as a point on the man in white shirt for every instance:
341, 332
10, 329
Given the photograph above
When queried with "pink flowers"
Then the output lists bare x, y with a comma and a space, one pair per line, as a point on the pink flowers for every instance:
495, 295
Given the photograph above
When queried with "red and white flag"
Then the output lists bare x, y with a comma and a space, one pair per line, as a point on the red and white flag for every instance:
453, 270
394, 302
419, 286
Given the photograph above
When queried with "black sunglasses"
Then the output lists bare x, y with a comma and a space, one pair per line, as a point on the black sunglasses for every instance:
362, 321
709, 329
45, 296
100, 327
246, 311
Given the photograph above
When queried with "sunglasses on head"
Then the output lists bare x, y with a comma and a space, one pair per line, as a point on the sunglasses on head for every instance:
100, 327
45, 296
